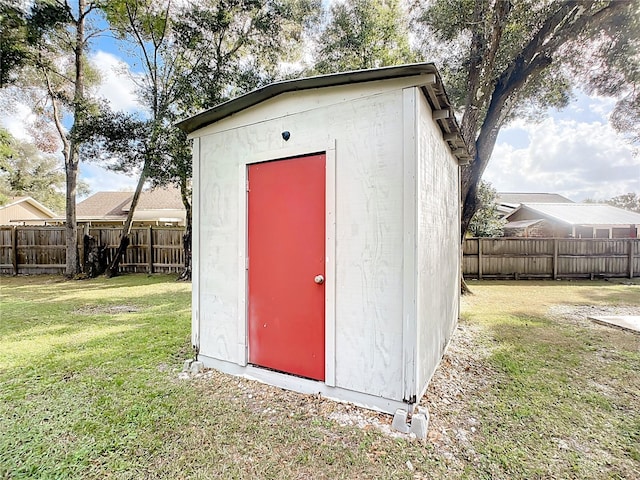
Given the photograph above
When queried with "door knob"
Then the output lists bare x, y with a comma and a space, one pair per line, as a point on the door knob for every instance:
319, 279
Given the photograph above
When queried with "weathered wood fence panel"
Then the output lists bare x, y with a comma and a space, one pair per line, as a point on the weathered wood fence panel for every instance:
550, 258
37, 249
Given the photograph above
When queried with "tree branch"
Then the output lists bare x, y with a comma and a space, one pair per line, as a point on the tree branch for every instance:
56, 118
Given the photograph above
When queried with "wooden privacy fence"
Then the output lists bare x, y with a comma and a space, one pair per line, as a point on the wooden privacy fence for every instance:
530, 258
36, 249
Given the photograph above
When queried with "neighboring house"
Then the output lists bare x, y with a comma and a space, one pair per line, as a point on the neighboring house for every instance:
326, 248
572, 220
509, 201
24, 211
161, 206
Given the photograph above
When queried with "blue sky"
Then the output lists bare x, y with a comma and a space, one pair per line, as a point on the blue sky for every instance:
574, 151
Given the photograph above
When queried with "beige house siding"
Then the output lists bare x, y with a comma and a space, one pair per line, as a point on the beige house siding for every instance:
23, 212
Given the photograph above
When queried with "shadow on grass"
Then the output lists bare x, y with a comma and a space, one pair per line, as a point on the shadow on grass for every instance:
55, 289
628, 296
33, 345
38, 308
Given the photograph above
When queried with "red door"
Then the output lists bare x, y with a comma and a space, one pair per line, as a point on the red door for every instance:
286, 230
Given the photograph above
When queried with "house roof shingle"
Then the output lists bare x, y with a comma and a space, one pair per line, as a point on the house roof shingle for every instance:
117, 204
104, 204
159, 199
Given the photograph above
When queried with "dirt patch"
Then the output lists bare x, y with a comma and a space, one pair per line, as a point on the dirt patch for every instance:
107, 309
461, 375
274, 402
463, 393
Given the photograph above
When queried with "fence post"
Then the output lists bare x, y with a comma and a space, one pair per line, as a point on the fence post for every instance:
555, 258
479, 259
631, 248
150, 249
14, 247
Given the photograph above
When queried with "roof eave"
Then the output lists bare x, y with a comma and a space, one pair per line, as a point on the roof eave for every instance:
432, 88
33, 202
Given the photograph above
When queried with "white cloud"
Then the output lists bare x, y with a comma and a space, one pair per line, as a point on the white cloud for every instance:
117, 83
602, 105
117, 86
102, 180
576, 159
18, 115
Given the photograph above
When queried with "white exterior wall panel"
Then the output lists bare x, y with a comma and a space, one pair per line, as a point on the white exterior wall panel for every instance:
368, 245
217, 252
438, 245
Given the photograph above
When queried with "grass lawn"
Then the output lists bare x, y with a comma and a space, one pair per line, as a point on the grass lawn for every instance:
90, 388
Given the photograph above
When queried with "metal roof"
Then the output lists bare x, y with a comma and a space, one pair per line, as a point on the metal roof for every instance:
583, 213
434, 93
523, 223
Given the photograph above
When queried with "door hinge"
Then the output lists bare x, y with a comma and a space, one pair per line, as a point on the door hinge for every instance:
247, 185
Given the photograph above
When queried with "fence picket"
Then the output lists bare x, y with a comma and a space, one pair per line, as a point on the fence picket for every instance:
550, 257
37, 249
33, 249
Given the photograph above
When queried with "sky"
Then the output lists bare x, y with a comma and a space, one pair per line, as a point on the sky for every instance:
573, 152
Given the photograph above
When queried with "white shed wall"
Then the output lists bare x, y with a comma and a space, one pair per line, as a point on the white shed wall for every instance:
365, 125
392, 232
438, 245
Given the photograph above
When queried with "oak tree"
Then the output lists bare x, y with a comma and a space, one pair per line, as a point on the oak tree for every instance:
506, 59
363, 34
27, 171
487, 221
628, 201
56, 70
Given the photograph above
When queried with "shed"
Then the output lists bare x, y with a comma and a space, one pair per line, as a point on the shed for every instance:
326, 240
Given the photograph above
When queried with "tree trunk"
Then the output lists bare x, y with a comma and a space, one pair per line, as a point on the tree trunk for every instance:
464, 286
186, 239
71, 226
73, 158
95, 261
112, 269
185, 276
